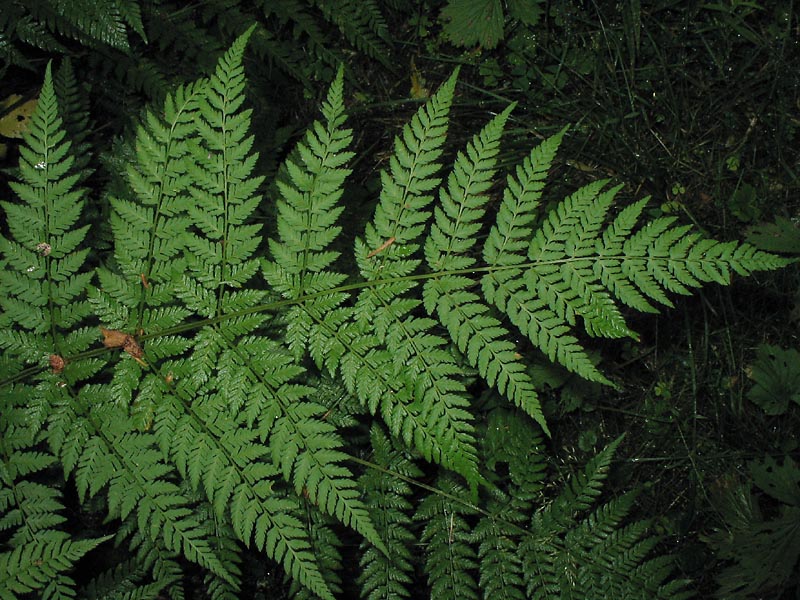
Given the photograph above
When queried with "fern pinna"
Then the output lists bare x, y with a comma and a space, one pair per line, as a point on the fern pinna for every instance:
220, 413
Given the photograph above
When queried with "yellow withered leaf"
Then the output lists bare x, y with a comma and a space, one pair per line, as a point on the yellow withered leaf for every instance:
14, 124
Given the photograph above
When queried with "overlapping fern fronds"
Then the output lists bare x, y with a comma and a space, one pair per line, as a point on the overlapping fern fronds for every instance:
207, 429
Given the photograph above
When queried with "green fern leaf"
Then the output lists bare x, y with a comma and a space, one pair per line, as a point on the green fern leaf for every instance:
326, 546
388, 574
361, 23
583, 488
128, 577
476, 332
506, 247
302, 443
419, 392
91, 21
219, 264
44, 281
450, 559
73, 103
32, 566
220, 425
499, 563
150, 232
563, 249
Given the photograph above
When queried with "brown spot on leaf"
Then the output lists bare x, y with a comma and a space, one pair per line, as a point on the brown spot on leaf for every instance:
57, 363
113, 338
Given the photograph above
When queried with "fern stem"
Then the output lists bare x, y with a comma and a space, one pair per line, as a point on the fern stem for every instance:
275, 305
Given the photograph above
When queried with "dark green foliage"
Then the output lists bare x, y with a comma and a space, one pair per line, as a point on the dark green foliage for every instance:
776, 378
482, 22
388, 493
761, 551
45, 23
205, 426
781, 236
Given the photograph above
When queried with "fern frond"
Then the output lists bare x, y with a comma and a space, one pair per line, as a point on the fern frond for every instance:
44, 269
87, 21
562, 249
566, 555
518, 444
33, 565
326, 545
223, 422
223, 539
419, 393
450, 559
506, 247
44, 281
73, 104
575, 268
582, 489
302, 445
307, 216
361, 23
499, 563
150, 231
126, 579
223, 194
210, 450
388, 574
476, 332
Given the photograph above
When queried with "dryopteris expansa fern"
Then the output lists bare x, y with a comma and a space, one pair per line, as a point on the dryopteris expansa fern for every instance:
208, 433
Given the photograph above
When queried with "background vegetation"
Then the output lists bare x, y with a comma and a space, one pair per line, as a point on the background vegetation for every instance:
696, 104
